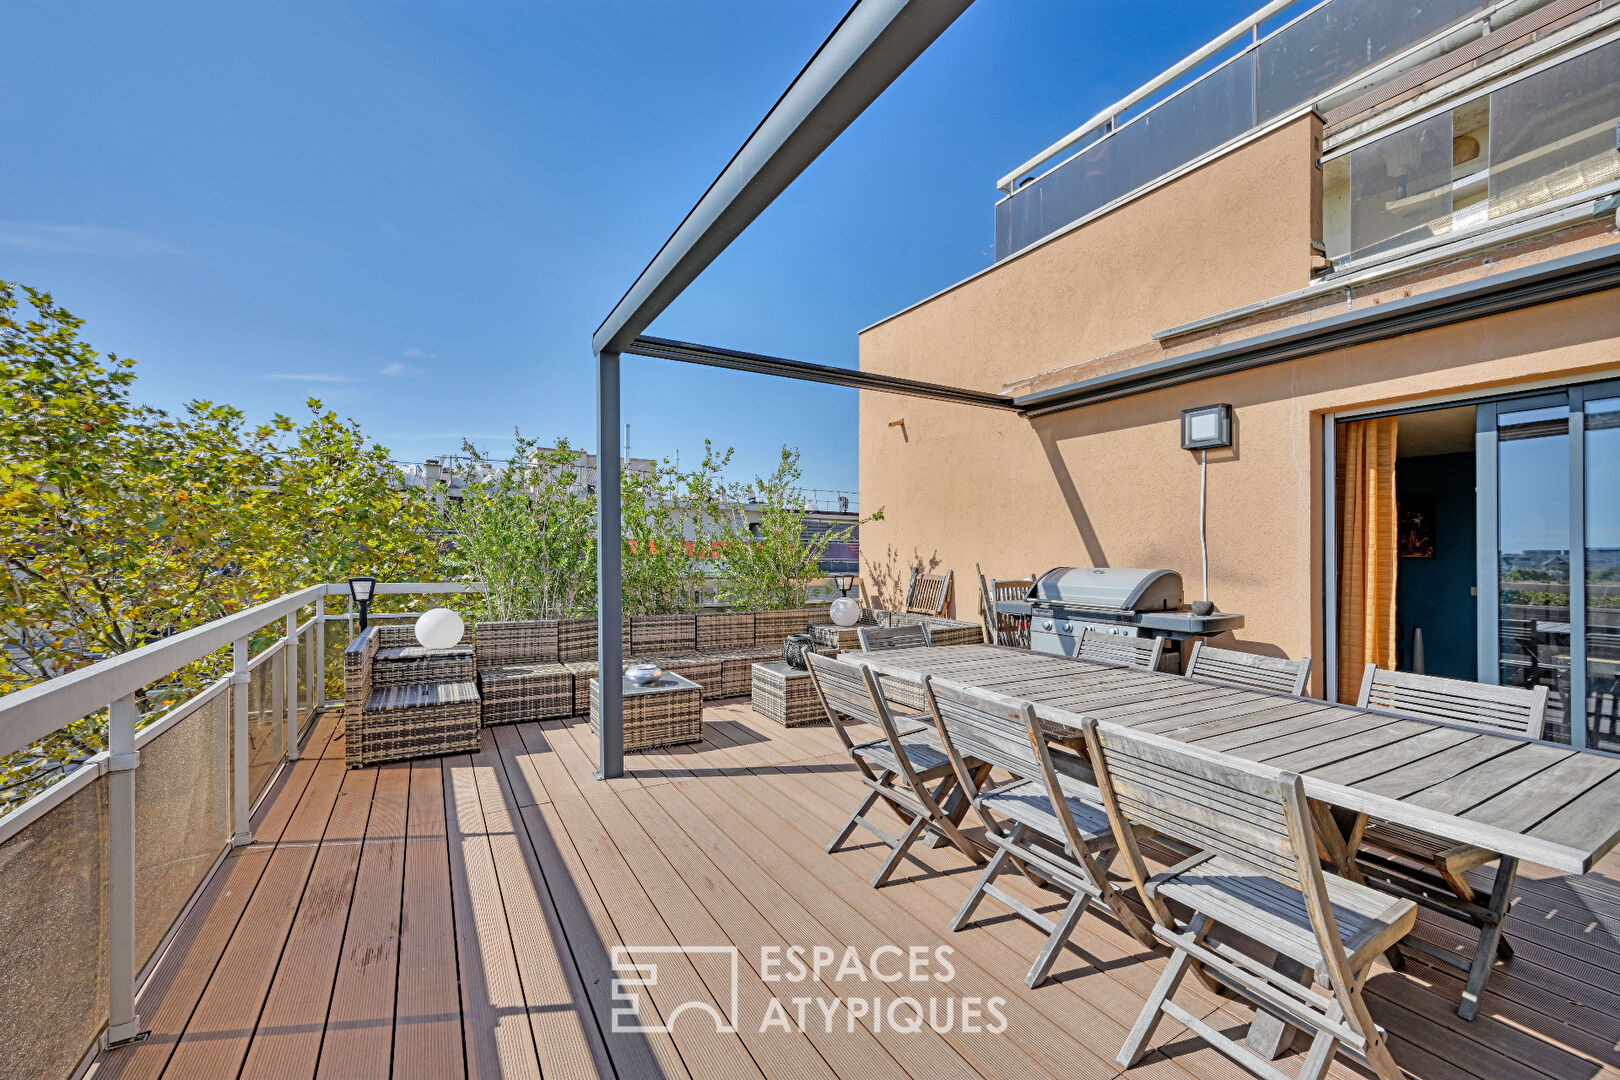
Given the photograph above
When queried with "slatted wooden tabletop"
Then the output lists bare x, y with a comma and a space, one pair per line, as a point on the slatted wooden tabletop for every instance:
1546, 804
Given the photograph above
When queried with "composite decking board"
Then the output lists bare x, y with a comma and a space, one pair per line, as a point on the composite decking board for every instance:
565, 1032
1554, 1011
427, 1000
167, 1000
627, 918
525, 787
1047, 1015
691, 922
286, 1044
219, 1030
588, 929
495, 1023
360, 1023
1060, 1019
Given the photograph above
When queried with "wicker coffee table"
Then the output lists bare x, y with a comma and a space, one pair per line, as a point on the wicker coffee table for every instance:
786, 695
660, 713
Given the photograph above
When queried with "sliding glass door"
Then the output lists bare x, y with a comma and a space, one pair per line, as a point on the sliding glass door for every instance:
1549, 554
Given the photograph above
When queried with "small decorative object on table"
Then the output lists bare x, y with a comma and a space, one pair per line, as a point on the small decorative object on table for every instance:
793, 649
786, 695
643, 674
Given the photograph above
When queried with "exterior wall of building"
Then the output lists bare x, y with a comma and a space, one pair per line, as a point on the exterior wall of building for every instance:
1109, 484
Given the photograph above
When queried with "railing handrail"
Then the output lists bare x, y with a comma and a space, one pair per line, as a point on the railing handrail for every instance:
30, 714
1246, 27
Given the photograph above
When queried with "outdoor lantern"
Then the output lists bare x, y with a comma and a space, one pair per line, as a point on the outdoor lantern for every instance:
843, 583
360, 591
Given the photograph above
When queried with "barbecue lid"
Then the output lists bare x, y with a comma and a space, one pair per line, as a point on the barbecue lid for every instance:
1111, 587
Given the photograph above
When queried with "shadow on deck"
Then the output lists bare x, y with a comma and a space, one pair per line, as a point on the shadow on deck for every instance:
459, 916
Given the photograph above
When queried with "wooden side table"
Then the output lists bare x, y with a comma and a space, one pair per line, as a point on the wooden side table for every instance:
786, 695
664, 712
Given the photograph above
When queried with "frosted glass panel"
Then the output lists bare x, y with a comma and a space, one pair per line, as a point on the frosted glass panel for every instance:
182, 817
1553, 134
264, 721
53, 974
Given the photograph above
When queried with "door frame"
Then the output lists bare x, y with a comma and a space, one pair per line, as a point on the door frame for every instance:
1487, 405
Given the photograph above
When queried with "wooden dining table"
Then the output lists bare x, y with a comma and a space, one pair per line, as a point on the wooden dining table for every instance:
1530, 800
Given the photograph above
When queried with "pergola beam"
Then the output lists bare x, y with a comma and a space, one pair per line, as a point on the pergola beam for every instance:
736, 360
874, 42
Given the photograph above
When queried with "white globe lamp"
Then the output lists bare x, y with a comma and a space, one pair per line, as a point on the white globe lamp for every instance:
439, 629
845, 612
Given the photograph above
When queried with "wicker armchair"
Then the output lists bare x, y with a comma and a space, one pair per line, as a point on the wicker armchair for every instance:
390, 719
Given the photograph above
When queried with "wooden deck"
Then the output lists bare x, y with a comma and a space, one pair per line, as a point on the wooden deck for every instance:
456, 917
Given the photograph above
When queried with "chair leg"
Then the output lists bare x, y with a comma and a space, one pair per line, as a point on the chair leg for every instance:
907, 838
975, 894
1058, 938
1319, 1057
854, 820
1490, 935
1153, 1011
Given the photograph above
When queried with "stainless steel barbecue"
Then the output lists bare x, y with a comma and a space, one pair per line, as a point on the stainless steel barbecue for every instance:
1066, 600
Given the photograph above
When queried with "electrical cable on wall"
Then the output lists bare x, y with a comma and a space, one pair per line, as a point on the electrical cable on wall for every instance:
1203, 515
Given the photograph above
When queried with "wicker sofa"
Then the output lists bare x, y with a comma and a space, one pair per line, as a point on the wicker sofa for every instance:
404, 701
542, 669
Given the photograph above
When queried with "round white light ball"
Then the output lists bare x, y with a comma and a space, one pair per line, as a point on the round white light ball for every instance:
439, 629
845, 612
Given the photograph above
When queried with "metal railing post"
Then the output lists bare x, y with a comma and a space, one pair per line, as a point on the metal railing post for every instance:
290, 743
240, 833
123, 1026
320, 653
609, 560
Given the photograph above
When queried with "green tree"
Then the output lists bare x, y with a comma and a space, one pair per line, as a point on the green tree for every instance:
771, 556
671, 523
121, 523
528, 532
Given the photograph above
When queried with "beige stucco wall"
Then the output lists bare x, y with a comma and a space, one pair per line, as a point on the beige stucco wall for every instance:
1109, 484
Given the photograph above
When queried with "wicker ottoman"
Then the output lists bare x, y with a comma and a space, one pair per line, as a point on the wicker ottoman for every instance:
786, 695
519, 692
400, 722
662, 713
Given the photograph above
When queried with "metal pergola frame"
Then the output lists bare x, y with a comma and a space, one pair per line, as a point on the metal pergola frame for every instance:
871, 46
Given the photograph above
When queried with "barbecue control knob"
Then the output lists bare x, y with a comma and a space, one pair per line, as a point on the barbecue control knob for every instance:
1068, 628
1046, 624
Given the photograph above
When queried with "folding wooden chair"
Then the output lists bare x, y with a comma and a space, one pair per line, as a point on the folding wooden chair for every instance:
908, 695
927, 593
896, 768
1055, 824
1012, 630
1430, 869
1106, 648
1248, 670
1256, 873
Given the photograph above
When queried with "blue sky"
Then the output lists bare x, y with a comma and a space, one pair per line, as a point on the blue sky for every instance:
420, 212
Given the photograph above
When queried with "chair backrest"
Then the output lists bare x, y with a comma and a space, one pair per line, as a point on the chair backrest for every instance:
1248, 670
1250, 813
850, 690
1521, 710
883, 638
927, 593
1010, 629
1003, 732
1106, 648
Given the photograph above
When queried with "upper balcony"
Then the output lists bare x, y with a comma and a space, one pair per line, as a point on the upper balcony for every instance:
1443, 118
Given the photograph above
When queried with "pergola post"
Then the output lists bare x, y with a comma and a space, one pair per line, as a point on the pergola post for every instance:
609, 564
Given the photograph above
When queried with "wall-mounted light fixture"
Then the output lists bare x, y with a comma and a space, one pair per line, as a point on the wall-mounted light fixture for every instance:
1207, 427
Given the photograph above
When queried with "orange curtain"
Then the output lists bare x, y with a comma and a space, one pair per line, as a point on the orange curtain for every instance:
1367, 531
